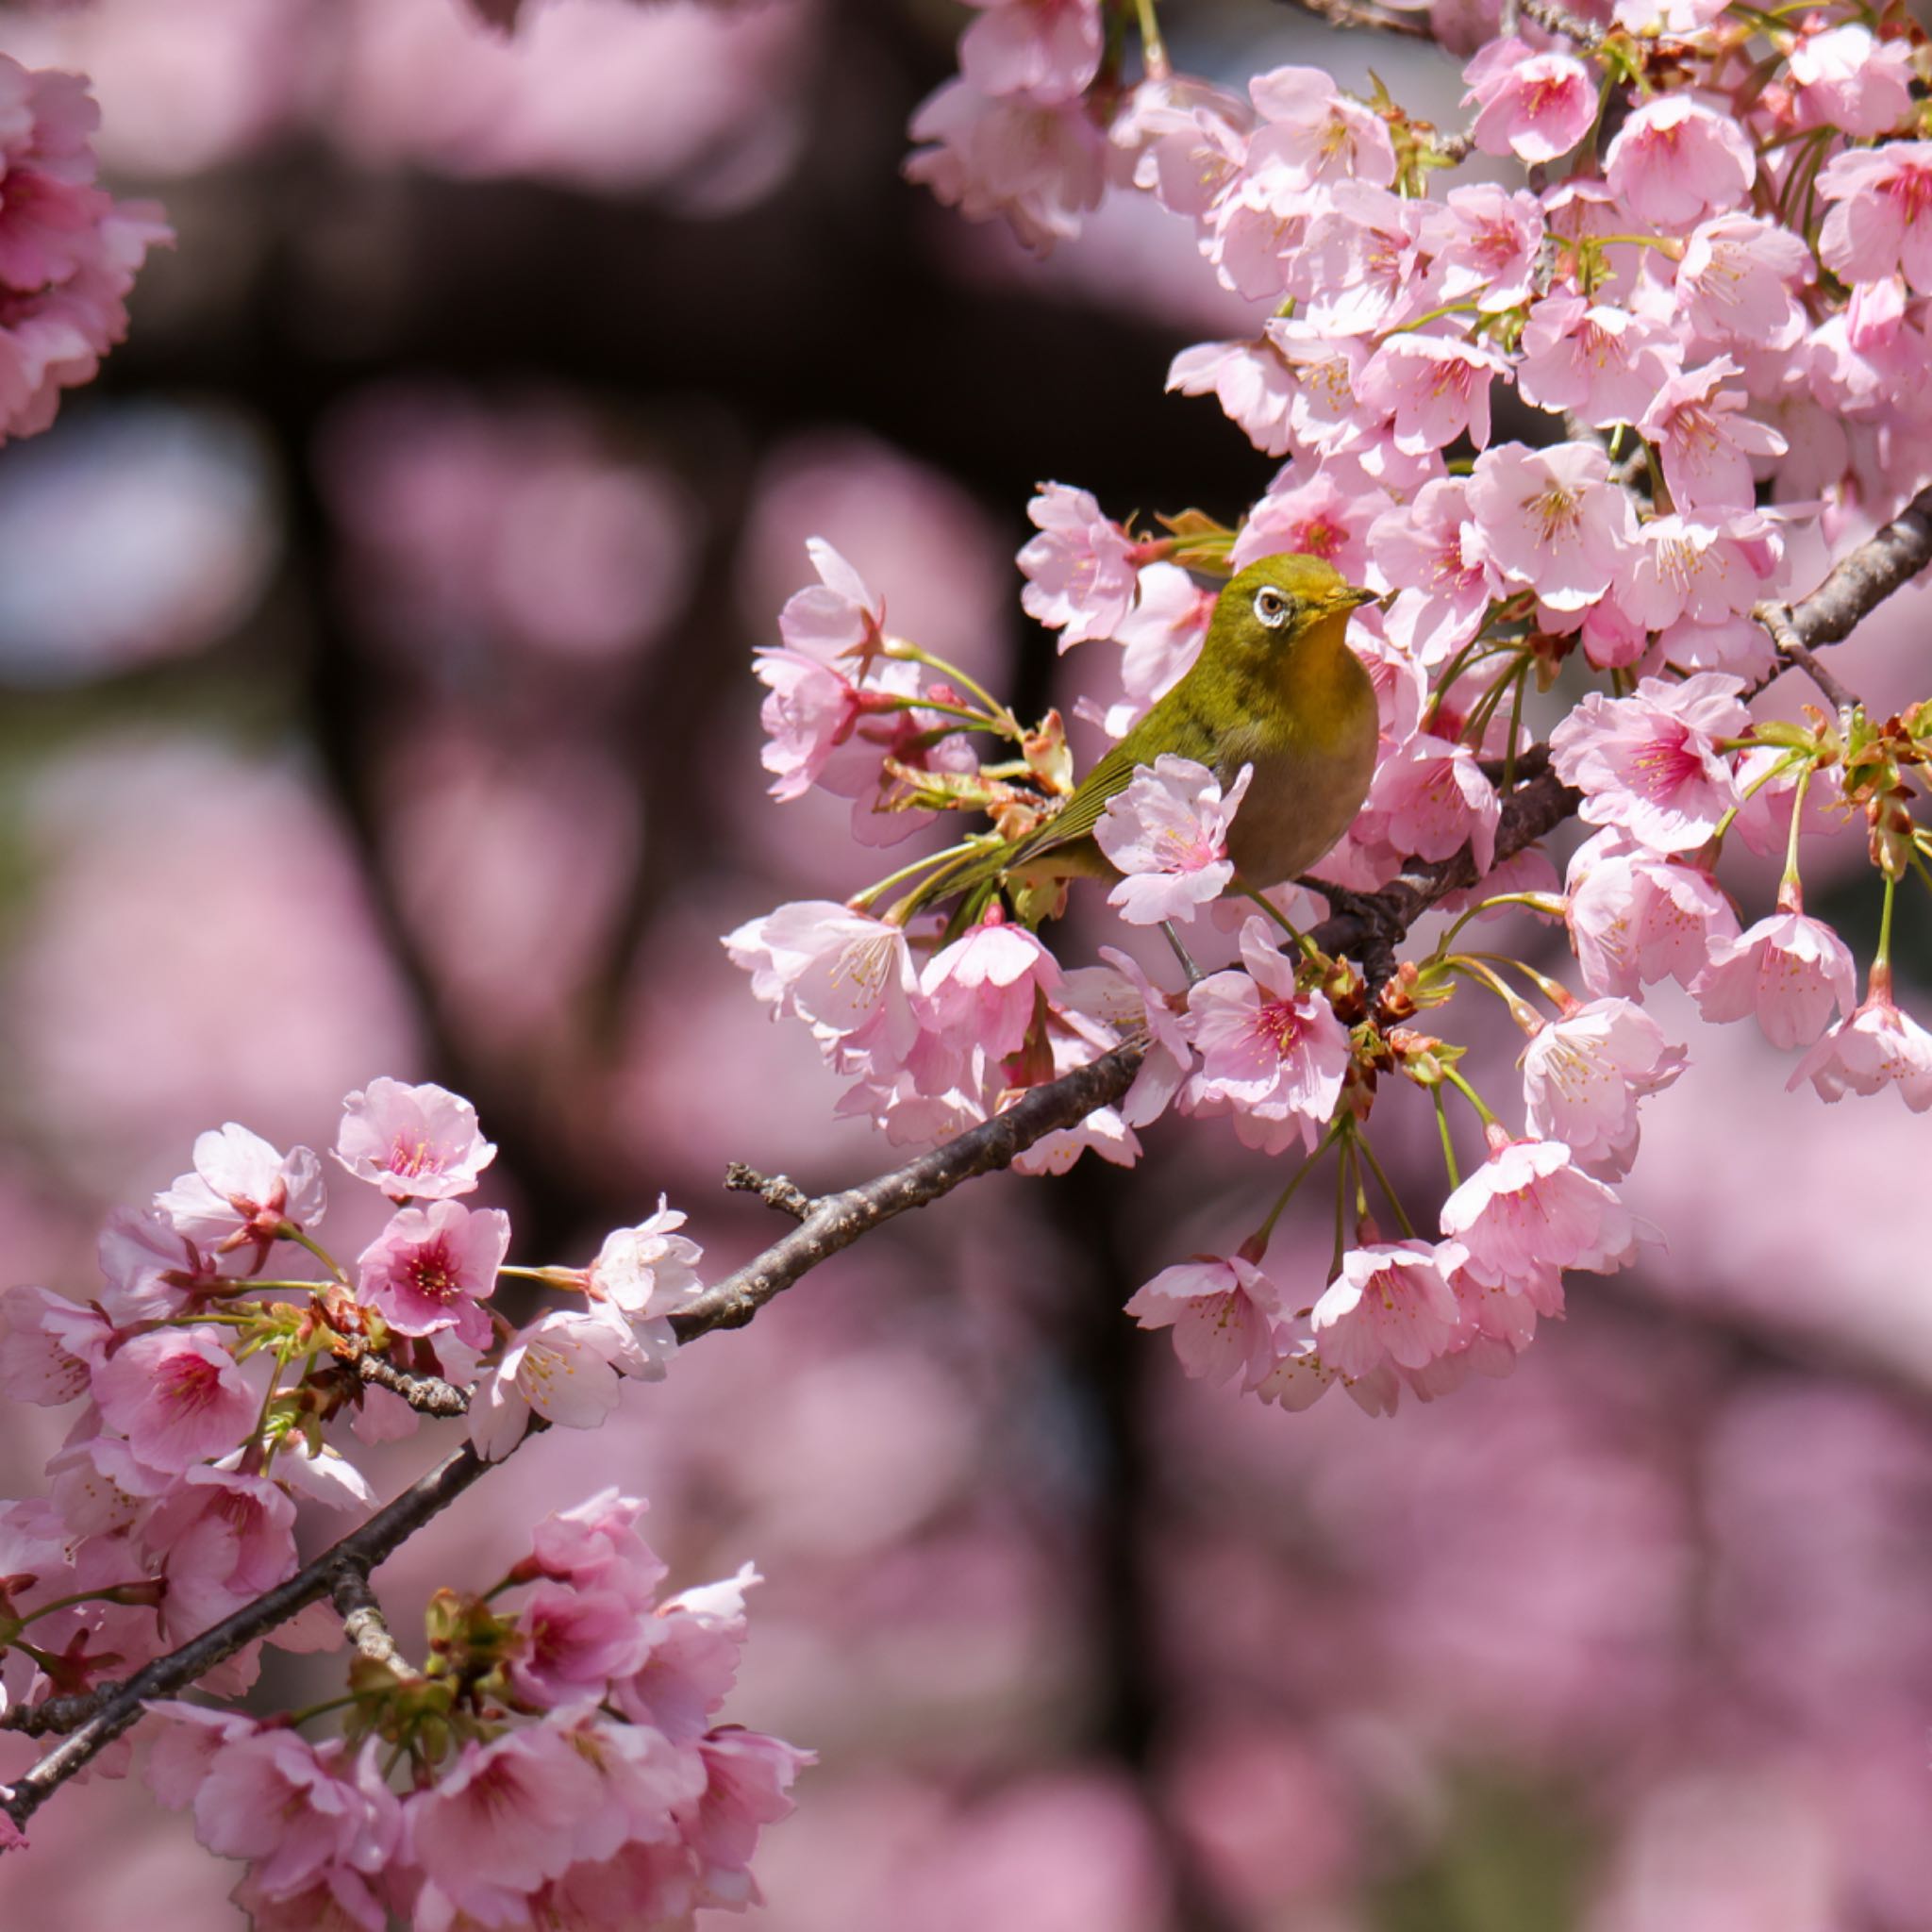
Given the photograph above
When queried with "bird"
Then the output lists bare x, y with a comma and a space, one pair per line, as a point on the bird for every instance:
1275, 687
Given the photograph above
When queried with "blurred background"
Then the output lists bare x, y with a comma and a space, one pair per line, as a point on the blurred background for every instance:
375, 698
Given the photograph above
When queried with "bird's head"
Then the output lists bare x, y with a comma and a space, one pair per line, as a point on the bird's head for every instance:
1277, 601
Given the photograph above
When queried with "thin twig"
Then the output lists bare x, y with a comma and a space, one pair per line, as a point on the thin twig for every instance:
1777, 619
1409, 27
427, 1394
776, 1190
363, 1623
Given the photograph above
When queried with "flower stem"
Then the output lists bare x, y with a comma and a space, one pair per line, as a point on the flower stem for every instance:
1881, 960
1401, 1220
953, 855
1259, 1238
1791, 892
1470, 1095
1448, 1145
321, 1253
1309, 949
1153, 49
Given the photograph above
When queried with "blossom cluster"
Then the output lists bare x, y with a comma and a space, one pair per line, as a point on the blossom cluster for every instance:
565, 1765
69, 251
1712, 291
227, 1366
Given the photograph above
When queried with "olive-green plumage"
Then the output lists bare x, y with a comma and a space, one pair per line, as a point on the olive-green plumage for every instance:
1275, 687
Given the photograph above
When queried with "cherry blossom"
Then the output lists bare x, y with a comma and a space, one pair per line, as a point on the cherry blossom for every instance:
177, 1395
1536, 106
1390, 1303
421, 1142
1080, 578
1583, 1076
1875, 1046
1704, 440
1787, 971
1675, 161
1167, 832
1221, 1312
244, 1193
1877, 224
1551, 518
1047, 49
432, 1268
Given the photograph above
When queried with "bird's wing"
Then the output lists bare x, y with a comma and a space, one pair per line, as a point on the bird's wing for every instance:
1081, 812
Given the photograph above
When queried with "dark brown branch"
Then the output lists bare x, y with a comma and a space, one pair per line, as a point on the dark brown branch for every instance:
776, 1190
428, 1394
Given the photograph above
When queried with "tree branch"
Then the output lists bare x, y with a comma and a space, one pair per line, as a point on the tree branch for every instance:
363, 1623
1368, 925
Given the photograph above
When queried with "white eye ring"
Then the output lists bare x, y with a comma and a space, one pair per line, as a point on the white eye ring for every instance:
1270, 606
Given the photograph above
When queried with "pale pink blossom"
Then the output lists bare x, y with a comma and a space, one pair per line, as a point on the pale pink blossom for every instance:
1788, 970
339, 1900
1047, 49
837, 617
1167, 1057
1636, 916
748, 1776
1167, 833
1432, 550
1437, 388
1651, 762
1704, 440
1390, 1303
1877, 224
221, 1539
1552, 519
1676, 162
1300, 1377
1254, 383
433, 1268
851, 978
567, 1366
645, 1781
1079, 570
1536, 106
1325, 412
1486, 241
1529, 1212
1875, 1046
649, 1270
596, 1545
1596, 360
100, 1487
981, 990
148, 1268
1271, 1054
177, 1395
244, 1193
1735, 282
501, 1819
1360, 270
1221, 1313
1583, 1076
413, 1142
1430, 799
1314, 133
1704, 569
1844, 78
1160, 639
1308, 512
696, 1639
49, 1346
1043, 165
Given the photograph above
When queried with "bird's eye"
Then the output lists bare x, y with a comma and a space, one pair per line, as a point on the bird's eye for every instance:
1270, 606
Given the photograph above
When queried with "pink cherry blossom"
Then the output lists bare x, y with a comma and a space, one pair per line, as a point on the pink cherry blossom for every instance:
177, 1395
1787, 969
1529, 1212
696, 1638
1430, 799
1253, 382
1844, 78
567, 1367
1323, 413
1875, 1046
1222, 1315
221, 1539
1311, 513
1536, 106
1676, 162
1705, 443
1635, 916
149, 1270
1706, 570
648, 1784
1271, 1054
502, 1819
572, 1642
649, 1270
748, 1776
422, 1142
1390, 1303
1550, 519
1650, 762
1437, 388
49, 1346
432, 1268
1735, 282
1043, 165
1167, 832
838, 616
1360, 270
242, 1192
1877, 224
1314, 133
981, 990
1583, 1076
339, 1900
1167, 1057
1046, 49
849, 976
1432, 549
1160, 639
1079, 570
1599, 361
595, 1546
1486, 241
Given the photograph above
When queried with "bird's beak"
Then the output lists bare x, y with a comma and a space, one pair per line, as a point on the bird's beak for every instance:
1353, 598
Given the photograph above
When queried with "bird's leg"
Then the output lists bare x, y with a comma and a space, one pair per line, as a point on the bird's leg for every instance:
1181, 953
